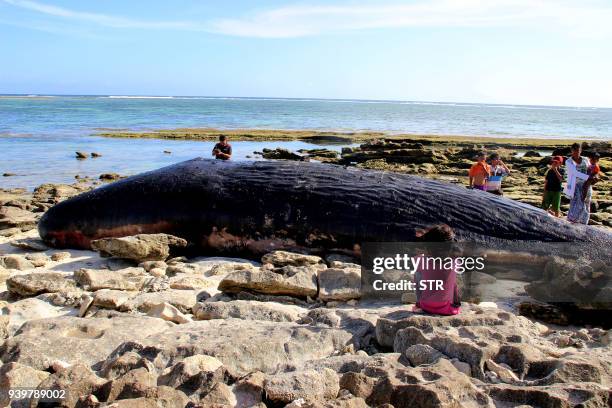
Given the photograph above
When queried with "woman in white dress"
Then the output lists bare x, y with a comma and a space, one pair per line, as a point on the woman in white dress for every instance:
580, 209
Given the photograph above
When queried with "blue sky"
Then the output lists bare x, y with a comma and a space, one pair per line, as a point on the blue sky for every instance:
555, 52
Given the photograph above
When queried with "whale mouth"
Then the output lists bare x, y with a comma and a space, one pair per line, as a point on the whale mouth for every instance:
67, 239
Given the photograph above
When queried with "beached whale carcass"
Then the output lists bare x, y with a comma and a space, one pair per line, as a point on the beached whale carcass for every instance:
257, 206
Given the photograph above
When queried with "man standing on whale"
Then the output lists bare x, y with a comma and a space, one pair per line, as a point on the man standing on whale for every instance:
222, 150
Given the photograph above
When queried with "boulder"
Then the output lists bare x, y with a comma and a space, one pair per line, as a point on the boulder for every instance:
142, 247
148, 265
38, 260
28, 309
33, 284
287, 387
41, 342
339, 284
183, 300
9, 232
242, 345
225, 268
30, 244
388, 325
249, 389
247, 310
125, 279
13, 217
133, 384
16, 262
54, 193
585, 283
384, 380
190, 281
76, 380
220, 395
473, 337
280, 154
422, 354
111, 298
15, 375
197, 373
300, 281
284, 258
168, 312
110, 176
552, 396
114, 368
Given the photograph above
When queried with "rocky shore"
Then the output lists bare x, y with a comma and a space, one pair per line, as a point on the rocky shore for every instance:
135, 324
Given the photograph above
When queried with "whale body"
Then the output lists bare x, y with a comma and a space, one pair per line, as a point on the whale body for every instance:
257, 206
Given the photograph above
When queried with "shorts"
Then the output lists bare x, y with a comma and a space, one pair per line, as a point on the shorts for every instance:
552, 199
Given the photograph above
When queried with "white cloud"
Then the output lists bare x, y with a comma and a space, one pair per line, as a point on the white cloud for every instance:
579, 17
589, 18
97, 18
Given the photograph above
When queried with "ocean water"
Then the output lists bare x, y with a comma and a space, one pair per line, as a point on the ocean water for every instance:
39, 135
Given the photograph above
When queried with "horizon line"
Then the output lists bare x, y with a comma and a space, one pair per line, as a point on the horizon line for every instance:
144, 96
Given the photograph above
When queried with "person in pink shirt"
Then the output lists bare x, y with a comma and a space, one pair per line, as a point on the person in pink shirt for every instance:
445, 301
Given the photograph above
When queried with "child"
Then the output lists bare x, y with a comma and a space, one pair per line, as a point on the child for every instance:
441, 302
498, 170
479, 172
552, 187
593, 172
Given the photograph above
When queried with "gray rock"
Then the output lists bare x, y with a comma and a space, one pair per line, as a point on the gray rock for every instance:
13, 217
287, 387
142, 247
168, 312
339, 284
422, 354
30, 244
28, 309
197, 373
225, 268
292, 281
15, 375
114, 368
33, 284
247, 310
126, 279
386, 381
76, 380
72, 339
16, 262
183, 300
38, 260
190, 281
133, 384
148, 265
112, 299
284, 258
220, 395
243, 345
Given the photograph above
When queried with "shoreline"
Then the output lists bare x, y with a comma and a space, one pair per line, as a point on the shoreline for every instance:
334, 136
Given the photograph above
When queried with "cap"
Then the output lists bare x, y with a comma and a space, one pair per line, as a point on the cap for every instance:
558, 159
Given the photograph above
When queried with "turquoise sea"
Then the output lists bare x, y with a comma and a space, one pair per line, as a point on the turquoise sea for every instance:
39, 134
